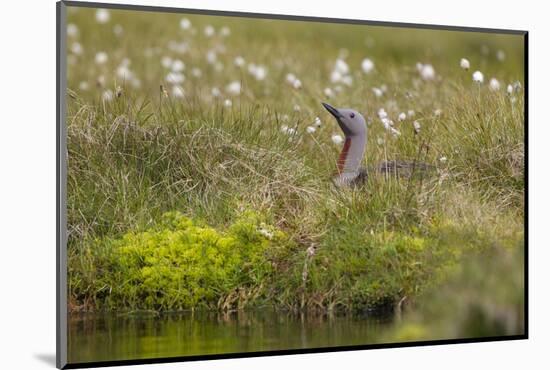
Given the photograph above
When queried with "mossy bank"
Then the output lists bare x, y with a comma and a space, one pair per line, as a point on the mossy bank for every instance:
199, 170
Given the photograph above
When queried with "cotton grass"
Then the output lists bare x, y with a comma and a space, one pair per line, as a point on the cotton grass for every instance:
477, 77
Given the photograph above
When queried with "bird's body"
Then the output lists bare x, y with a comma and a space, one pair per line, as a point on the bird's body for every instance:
385, 168
349, 170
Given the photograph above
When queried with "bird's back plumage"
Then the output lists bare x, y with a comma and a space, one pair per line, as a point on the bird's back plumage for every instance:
396, 168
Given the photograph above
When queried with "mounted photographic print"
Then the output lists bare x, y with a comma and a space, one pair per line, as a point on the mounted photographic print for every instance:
235, 184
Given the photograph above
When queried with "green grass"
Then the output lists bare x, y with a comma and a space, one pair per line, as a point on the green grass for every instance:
146, 152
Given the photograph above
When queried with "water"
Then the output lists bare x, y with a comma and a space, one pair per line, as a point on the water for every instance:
109, 337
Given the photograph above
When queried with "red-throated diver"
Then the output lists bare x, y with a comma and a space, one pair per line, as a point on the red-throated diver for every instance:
349, 170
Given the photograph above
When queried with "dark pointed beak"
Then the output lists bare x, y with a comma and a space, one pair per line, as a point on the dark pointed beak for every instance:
332, 110
338, 117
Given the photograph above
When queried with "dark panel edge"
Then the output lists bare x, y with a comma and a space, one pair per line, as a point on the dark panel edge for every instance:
526, 183
61, 252
226, 13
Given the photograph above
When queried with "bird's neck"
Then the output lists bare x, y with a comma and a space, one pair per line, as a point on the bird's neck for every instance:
351, 155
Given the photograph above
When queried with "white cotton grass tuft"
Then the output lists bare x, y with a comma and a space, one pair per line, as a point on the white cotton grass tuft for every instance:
296, 108
225, 31
510, 89
501, 55
329, 93
310, 129
211, 56
335, 77
395, 132
101, 57
438, 112
290, 78
347, 80
416, 126
337, 139
317, 122
341, 66
233, 88
382, 113
72, 30
340, 73
380, 141
494, 84
259, 72
427, 71
239, 61
209, 31
477, 76
402, 116
367, 65
268, 234
443, 159
215, 92
76, 48
297, 84
175, 78
123, 70
377, 92
102, 16
387, 123
177, 65
410, 113
178, 92
185, 24
291, 131
227, 103
107, 95
464, 64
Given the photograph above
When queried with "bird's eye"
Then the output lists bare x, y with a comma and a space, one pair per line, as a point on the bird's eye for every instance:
352, 115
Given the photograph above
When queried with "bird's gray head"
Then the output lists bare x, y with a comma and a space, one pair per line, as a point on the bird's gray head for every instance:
350, 121
354, 127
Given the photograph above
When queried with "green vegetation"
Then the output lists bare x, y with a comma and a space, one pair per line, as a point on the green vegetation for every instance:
483, 297
186, 201
177, 265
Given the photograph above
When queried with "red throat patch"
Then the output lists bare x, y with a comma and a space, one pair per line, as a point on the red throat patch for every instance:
343, 156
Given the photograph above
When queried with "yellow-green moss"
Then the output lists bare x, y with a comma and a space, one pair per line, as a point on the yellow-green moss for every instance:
181, 263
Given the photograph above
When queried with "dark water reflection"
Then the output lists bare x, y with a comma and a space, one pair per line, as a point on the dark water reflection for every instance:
108, 337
